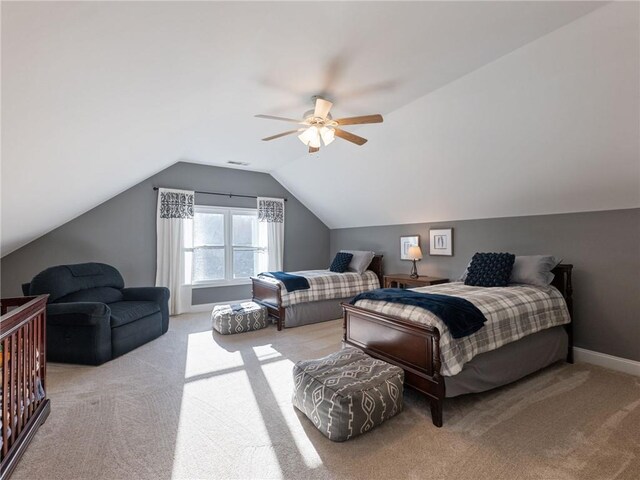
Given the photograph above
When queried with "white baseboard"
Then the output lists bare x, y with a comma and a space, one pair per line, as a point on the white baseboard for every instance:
607, 361
207, 307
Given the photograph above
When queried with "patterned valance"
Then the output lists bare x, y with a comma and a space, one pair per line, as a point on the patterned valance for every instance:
271, 210
176, 204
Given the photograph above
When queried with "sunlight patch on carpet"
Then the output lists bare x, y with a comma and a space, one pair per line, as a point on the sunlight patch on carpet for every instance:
204, 357
280, 378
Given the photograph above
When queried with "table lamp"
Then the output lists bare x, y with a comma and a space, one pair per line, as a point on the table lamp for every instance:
414, 254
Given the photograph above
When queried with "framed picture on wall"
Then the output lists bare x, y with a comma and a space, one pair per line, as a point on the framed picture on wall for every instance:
406, 243
441, 241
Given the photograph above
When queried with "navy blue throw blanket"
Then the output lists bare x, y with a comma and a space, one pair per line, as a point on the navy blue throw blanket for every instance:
291, 282
461, 316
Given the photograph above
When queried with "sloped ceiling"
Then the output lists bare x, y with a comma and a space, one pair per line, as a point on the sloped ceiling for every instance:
553, 127
98, 96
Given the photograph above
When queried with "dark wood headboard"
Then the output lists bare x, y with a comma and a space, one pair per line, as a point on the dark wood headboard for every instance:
562, 281
376, 267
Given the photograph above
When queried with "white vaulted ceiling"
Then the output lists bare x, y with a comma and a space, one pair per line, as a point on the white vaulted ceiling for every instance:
477, 99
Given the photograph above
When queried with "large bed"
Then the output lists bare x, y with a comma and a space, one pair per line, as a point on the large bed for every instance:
319, 303
527, 329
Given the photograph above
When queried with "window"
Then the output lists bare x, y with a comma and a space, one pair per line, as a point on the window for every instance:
229, 246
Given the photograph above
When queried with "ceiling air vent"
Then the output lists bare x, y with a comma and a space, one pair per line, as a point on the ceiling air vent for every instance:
242, 164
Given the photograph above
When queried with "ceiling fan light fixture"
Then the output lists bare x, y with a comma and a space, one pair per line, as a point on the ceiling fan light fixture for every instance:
328, 135
320, 127
310, 137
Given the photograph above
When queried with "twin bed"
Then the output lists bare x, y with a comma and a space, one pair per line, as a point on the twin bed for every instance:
319, 303
528, 327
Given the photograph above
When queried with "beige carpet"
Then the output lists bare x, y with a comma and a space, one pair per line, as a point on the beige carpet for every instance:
190, 405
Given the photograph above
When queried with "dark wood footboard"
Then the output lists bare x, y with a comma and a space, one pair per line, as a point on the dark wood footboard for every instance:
268, 294
414, 348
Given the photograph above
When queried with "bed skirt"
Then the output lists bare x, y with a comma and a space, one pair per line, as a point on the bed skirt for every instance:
314, 312
510, 362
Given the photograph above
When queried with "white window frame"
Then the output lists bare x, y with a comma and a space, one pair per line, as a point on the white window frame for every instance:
228, 247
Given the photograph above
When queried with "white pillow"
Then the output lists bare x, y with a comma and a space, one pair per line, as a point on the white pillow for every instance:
533, 270
466, 272
360, 261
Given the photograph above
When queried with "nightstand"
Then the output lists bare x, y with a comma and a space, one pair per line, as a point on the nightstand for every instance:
403, 280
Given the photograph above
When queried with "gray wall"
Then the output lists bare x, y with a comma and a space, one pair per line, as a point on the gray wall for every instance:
604, 248
122, 231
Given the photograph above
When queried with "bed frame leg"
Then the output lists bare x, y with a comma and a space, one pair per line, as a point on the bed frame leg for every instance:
569, 329
436, 411
280, 321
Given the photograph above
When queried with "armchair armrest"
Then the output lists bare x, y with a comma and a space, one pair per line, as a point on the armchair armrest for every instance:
160, 295
79, 332
78, 313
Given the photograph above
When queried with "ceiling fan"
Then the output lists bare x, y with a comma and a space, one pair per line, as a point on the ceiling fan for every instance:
318, 124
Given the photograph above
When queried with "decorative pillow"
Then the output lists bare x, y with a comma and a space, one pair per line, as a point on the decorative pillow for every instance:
360, 261
533, 270
341, 262
490, 269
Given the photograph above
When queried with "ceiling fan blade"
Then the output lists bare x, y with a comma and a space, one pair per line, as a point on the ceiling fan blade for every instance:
271, 117
377, 118
273, 137
322, 108
350, 137
314, 149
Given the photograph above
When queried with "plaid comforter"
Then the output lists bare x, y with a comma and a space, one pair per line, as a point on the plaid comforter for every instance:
511, 312
327, 285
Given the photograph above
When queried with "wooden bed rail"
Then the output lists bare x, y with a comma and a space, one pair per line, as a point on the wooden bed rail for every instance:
23, 367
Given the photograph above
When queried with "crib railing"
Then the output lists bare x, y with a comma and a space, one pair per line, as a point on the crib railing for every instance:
25, 405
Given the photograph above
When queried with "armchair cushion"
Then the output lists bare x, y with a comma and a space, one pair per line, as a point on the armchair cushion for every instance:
123, 313
97, 294
160, 295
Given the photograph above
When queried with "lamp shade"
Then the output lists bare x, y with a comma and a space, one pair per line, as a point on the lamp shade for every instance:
414, 253
327, 134
310, 137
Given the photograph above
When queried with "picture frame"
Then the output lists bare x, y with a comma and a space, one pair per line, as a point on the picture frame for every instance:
406, 242
441, 241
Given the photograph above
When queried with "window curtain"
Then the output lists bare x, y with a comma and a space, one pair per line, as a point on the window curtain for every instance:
271, 211
174, 226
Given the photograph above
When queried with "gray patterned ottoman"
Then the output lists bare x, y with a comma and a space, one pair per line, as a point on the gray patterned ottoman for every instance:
239, 317
347, 393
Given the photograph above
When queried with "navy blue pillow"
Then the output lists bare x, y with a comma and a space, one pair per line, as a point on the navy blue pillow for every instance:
490, 269
341, 262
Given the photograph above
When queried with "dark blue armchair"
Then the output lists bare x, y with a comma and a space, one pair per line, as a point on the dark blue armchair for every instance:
92, 318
